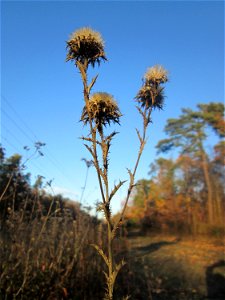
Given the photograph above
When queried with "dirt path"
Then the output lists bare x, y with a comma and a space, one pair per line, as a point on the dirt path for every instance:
167, 267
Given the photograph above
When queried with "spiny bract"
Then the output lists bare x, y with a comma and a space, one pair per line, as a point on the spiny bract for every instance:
149, 96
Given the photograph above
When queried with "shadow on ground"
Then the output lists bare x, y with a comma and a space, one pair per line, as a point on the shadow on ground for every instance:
147, 249
173, 270
215, 280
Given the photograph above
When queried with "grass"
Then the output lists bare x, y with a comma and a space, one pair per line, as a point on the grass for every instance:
167, 267
159, 267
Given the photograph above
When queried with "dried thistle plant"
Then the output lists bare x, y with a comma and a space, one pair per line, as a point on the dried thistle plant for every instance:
86, 47
102, 110
151, 94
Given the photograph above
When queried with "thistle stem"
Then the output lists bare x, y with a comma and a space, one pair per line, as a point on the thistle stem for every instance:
147, 114
105, 196
110, 267
83, 71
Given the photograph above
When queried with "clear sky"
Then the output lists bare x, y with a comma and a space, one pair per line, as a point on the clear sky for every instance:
41, 94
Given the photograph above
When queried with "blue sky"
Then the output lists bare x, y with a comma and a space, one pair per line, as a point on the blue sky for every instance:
41, 94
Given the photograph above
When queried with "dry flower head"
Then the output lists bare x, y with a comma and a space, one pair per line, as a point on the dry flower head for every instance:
151, 94
148, 97
86, 44
102, 110
156, 74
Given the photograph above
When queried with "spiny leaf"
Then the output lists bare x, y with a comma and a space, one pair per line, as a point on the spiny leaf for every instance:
86, 139
143, 145
141, 112
89, 149
109, 137
90, 140
116, 188
139, 136
101, 253
100, 207
92, 83
106, 276
120, 265
131, 176
117, 269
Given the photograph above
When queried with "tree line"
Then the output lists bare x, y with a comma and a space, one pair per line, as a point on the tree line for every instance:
45, 239
187, 193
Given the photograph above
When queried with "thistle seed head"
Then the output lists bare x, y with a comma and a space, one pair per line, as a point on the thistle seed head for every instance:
151, 94
102, 110
86, 44
156, 74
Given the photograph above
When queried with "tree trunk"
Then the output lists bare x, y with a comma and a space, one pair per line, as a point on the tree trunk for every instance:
205, 168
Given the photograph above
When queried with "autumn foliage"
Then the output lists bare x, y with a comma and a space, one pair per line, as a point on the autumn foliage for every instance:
186, 194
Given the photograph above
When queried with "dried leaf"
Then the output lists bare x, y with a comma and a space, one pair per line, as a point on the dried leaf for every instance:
106, 276
89, 149
141, 112
100, 207
116, 188
117, 269
101, 253
109, 137
131, 176
139, 136
92, 83
86, 139
90, 140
